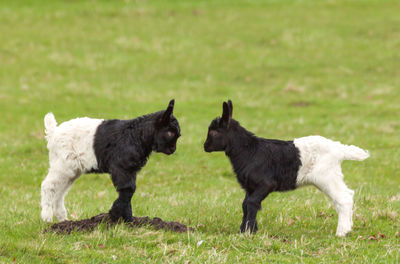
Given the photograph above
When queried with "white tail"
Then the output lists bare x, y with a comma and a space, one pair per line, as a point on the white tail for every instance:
351, 152
50, 125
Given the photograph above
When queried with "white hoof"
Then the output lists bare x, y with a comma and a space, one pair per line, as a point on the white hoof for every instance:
63, 218
343, 231
341, 234
47, 216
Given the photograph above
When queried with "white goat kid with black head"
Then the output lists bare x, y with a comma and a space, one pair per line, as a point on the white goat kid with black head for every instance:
263, 166
118, 147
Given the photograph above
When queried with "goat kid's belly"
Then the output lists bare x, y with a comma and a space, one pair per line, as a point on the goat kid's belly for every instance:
72, 145
274, 183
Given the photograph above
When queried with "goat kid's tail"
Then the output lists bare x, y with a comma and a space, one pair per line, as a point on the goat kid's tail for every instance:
50, 125
351, 152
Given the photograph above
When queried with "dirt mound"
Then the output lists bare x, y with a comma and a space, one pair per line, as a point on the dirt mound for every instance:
66, 227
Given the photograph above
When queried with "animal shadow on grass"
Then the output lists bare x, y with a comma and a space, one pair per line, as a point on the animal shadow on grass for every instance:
88, 225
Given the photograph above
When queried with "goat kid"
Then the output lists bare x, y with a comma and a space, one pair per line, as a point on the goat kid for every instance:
118, 147
263, 166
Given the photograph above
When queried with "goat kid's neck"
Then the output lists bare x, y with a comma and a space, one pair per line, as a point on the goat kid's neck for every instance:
240, 144
147, 133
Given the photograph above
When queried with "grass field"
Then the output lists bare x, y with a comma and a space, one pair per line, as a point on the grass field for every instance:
292, 69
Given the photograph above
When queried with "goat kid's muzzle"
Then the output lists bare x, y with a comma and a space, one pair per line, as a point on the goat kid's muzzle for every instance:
170, 151
207, 148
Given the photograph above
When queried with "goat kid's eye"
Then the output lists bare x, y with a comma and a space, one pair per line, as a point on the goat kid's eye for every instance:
214, 133
170, 134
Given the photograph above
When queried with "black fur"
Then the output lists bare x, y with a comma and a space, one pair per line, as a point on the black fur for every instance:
122, 148
261, 165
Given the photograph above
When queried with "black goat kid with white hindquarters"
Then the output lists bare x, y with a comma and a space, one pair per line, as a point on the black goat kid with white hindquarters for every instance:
263, 166
118, 147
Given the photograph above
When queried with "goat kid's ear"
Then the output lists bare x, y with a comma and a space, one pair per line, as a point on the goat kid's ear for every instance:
167, 114
225, 119
230, 106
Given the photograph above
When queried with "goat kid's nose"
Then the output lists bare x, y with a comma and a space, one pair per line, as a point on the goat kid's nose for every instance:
206, 148
171, 150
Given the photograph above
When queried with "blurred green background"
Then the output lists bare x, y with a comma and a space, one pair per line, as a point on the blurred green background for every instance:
291, 68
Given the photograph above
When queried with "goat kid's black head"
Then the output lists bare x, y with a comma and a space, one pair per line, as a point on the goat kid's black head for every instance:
217, 137
167, 131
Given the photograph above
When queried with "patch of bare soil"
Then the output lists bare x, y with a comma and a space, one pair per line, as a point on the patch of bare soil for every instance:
300, 104
66, 227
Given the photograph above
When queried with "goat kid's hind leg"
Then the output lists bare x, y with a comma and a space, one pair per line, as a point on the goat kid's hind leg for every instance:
47, 197
342, 197
51, 186
344, 207
59, 207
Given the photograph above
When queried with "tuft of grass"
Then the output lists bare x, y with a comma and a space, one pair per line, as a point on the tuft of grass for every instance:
292, 68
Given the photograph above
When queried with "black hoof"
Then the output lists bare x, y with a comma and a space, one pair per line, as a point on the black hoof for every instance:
120, 212
249, 227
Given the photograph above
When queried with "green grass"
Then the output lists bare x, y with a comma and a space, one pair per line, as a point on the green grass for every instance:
292, 68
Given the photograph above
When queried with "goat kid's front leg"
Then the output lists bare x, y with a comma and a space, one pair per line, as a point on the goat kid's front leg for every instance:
122, 207
253, 205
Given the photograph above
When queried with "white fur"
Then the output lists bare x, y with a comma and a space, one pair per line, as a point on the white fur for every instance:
321, 160
71, 153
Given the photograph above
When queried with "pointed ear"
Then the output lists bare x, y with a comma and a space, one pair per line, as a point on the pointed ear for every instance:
225, 119
167, 114
230, 106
